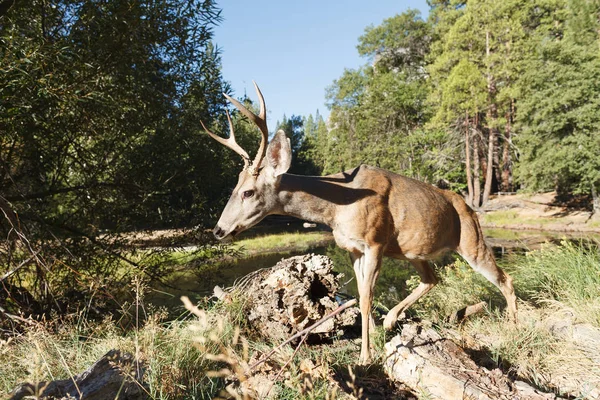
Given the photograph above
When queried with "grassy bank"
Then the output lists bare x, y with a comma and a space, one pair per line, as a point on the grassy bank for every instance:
555, 285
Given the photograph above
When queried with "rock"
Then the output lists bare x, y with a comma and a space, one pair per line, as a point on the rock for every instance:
114, 376
295, 293
428, 363
585, 339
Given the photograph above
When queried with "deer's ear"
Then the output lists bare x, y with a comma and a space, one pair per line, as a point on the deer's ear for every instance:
279, 153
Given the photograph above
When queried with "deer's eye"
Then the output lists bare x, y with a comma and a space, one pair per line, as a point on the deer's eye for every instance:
247, 194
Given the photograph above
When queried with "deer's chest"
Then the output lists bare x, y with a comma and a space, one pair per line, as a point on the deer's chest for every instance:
362, 225
348, 241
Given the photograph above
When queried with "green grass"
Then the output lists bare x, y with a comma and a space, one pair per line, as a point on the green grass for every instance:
568, 274
512, 217
506, 234
267, 243
275, 242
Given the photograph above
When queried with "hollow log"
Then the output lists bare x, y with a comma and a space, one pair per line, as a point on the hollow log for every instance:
294, 294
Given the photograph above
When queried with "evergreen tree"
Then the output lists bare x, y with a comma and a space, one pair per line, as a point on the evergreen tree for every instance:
378, 112
559, 107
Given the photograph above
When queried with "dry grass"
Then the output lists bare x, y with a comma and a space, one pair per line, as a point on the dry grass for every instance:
175, 368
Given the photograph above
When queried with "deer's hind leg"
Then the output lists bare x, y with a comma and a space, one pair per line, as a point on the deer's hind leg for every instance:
428, 281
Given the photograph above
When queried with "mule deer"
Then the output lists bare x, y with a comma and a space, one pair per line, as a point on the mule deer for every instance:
372, 212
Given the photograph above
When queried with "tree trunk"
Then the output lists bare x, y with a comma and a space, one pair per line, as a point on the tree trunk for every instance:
506, 159
468, 163
496, 159
436, 367
476, 172
491, 115
489, 175
295, 293
595, 202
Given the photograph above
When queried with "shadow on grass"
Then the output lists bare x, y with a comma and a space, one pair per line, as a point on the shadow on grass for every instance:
370, 382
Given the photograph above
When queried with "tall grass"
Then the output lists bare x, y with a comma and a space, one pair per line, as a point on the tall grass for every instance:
174, 367
568, 274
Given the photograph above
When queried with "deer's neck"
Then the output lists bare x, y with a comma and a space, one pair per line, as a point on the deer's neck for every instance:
303, 197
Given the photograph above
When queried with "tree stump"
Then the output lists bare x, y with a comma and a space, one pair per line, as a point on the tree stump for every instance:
114, 376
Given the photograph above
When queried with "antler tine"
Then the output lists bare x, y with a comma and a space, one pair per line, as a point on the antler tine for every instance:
260, 120
265, 132
230, 141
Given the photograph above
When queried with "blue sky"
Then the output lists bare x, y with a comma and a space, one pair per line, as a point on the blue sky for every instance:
295, 49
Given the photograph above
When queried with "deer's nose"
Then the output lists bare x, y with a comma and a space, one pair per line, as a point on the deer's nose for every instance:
218, 232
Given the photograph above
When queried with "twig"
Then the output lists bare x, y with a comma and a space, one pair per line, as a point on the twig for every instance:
18, 267
338, 310
286, 364
16, 317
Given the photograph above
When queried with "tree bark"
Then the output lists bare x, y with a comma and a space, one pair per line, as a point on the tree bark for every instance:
468, 163
476, 172
506, 159
595, 201
491, 116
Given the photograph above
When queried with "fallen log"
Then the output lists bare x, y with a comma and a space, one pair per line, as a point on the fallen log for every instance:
294, 294
428, 363
115, 375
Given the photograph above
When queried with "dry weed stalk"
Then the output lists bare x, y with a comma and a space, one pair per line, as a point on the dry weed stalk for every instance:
213, 341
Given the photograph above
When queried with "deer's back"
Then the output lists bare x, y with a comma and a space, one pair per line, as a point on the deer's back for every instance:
414, 219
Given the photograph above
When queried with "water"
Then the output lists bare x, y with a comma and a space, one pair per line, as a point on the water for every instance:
391, 284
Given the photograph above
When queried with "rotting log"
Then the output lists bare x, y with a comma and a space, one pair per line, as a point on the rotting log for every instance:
115, 375
294, 294
428, 363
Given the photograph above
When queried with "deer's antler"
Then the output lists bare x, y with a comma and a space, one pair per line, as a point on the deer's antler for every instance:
230, 141
261, 121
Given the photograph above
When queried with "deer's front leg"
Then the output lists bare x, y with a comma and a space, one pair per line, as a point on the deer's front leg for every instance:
366, 269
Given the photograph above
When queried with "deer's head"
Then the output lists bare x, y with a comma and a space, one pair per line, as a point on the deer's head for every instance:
256, 194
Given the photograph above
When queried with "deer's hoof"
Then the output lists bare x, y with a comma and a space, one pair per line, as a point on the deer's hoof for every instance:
364, 360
